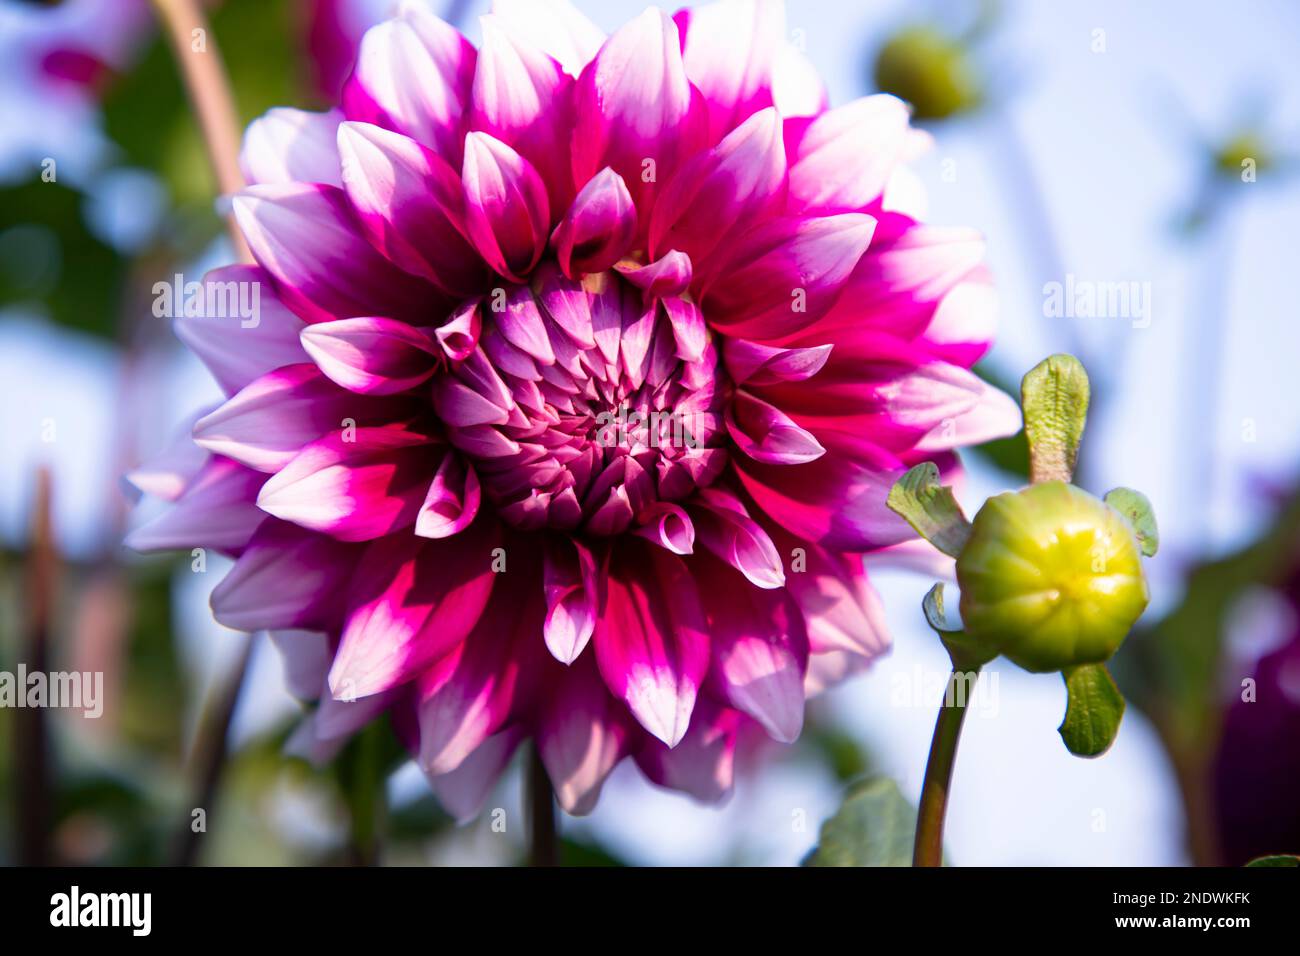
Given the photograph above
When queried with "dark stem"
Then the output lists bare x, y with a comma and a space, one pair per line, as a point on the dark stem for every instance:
543, 832
364, 782
31, 732
208, 759
928, 849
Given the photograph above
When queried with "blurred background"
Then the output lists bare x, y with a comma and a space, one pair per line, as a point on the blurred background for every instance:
1151, 144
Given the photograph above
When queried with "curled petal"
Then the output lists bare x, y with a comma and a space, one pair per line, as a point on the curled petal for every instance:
598, 228
726, 530
413, 75
669, 275
689, 330
452, 500
572, 599
669, 526
507, 212
755, 364
766, 434
462, 791
373, 356
409, 205
291, 146
458, 336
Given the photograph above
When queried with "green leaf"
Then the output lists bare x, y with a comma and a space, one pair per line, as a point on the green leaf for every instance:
930, 508
1281, 859
1054, 395
1011, 454
965, 653
1094, 710
1137, 511
874, 826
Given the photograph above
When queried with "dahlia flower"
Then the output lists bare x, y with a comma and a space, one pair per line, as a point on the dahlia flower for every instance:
583, 368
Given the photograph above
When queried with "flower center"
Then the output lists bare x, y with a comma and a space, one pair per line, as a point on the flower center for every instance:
582, 405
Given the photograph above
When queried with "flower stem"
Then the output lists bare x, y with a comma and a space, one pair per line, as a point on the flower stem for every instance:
543, 831
928, 849
32, 759
208, 86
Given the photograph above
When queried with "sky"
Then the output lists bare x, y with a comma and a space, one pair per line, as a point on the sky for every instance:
1111, 137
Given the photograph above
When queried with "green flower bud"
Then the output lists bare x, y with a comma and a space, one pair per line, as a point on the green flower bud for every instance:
929, 70
1051, 577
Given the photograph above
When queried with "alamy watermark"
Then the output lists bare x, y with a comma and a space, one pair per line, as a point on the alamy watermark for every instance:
209, 300
1088, 299
61, 690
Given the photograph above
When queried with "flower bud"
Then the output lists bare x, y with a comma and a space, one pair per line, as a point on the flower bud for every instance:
1051, 577
929, 70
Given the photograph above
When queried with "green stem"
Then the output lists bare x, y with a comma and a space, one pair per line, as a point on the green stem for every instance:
928, 849
365, 788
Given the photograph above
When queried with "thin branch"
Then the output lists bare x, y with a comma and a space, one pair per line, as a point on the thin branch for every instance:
543, 830
35, 795
208, 86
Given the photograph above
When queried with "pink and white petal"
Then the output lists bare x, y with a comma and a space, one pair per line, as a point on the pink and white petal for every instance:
287, 145
845, 619
372, 356
669, 526
766, 434
409, 205
599, 227
323, 734
669, 275
216, 510
463, 791
353, 486
703, 763
285, 578
507, 212
466, 697
557, 27
308, 238
797, 88
569, 581
730, 50
963, 326
306, 657
690, 332
636, 110
166, 474
842, 160
837, 501
238, 348
414, 75
719, 193
651, 640
582, 736
411, 601
725, 529
755, 364
267, 423
760, 650
524, 98
786, 275
452, 501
